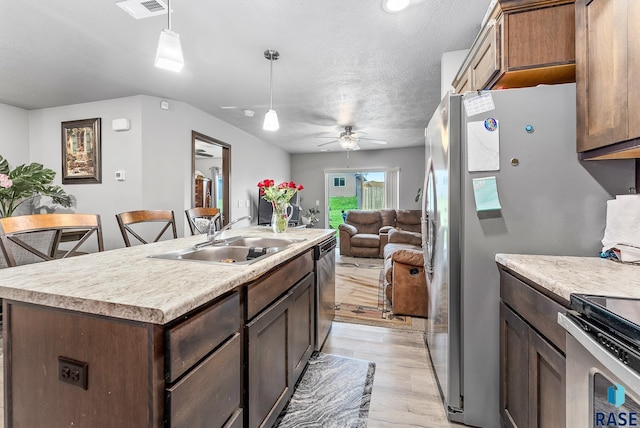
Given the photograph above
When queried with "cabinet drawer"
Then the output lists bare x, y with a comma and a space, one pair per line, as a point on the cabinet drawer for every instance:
265, 290
539, 310
210, 394
188, 342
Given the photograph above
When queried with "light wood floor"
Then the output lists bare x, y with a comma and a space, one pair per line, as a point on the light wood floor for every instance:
405, 393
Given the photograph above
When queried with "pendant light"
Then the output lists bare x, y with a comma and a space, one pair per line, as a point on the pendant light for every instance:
271, 118
394, 5
169, 53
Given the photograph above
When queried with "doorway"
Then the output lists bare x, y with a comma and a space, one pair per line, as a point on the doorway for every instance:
210, 164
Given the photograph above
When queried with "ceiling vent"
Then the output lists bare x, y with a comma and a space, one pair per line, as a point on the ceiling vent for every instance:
141, 9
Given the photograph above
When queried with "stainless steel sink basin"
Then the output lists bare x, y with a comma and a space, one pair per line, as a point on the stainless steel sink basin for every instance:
247, 241
240, 250
228, 254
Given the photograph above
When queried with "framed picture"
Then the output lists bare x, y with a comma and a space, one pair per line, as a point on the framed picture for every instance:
81, 152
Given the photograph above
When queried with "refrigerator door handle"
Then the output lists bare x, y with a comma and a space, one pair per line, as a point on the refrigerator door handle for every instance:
428, 222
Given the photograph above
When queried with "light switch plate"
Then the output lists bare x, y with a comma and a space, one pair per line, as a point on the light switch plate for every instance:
120, 175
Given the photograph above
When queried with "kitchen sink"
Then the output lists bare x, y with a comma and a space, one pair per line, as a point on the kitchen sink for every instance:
239, 250
221, 254
247, 241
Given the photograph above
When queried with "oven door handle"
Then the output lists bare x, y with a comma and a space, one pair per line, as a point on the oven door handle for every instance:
609, 361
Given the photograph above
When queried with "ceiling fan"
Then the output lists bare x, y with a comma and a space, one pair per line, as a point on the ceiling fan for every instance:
203, 153
349, 139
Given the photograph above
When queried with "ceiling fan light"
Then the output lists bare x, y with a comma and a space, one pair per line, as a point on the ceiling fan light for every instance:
169, 53
395, 5
348, 143
271, 121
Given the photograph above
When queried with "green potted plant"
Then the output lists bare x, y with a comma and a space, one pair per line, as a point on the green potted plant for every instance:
25, 182
310, 218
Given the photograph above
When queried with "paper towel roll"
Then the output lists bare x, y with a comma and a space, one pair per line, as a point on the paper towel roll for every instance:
622, 230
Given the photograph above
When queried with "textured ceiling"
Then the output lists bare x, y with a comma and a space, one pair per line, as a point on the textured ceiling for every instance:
342, 62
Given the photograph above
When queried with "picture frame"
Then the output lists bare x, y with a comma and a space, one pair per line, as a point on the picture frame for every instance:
81, 151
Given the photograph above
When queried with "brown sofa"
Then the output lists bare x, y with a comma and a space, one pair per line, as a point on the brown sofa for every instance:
364, 232
404, 275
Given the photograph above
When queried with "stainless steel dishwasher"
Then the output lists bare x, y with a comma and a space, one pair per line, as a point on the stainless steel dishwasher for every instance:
325, 294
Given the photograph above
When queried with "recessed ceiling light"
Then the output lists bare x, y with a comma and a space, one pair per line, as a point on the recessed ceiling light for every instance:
249, 113
395, 5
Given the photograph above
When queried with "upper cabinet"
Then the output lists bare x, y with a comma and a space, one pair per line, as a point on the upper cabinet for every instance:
608, 64
524, 43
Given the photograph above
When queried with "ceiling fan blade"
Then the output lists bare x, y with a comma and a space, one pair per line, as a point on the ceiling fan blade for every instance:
330, 142
356, 147
374, 141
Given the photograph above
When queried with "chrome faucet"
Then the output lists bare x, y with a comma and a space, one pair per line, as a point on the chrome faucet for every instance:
212, 234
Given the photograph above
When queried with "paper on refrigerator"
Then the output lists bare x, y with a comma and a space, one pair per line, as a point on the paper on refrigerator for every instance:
483, 145
485, 192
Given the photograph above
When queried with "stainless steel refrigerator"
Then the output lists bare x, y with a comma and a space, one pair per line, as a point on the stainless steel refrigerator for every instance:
541, 201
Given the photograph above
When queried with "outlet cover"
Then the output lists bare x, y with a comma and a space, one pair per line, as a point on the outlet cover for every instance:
73, 372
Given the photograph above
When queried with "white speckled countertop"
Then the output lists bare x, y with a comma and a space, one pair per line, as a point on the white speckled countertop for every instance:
126, 283
564, 275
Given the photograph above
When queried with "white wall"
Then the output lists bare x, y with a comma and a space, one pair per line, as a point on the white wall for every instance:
120, 151
449, 66
308, 170
155, 154
14, 135
252, 159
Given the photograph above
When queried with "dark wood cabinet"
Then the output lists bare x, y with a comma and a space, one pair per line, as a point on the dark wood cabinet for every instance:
608, 68
232, 362
524, 43
547, 383
203, 192
280, 342
532, 365
203, 357
187, 373
514, 369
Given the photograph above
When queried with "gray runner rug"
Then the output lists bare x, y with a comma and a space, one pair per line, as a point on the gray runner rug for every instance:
334, 391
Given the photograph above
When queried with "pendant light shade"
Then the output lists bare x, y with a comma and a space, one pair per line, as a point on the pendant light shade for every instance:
169, 53
395, 5
271, 118
271, 121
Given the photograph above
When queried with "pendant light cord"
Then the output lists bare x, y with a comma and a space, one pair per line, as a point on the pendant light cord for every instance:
271, 80
169, 12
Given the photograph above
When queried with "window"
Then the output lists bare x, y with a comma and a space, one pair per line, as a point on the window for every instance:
361, 189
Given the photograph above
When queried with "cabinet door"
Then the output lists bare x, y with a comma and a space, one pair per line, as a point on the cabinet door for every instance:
486, 63
546, 384
301, 326
601, 72
514, 367
463, 84
633, 68
269, 372
541, 37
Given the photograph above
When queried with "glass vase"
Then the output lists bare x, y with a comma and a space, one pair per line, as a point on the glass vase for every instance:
280, 217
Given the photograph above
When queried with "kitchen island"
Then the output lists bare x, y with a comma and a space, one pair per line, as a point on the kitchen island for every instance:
121, 339
533, 290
